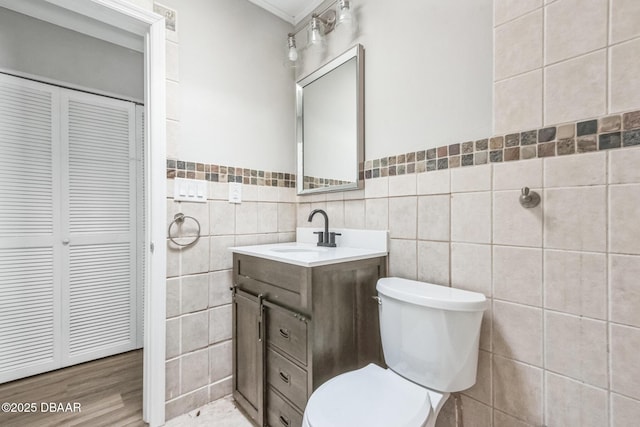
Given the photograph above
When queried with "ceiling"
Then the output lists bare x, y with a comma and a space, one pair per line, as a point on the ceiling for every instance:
292, 11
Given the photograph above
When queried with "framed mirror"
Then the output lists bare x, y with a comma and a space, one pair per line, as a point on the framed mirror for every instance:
330, 125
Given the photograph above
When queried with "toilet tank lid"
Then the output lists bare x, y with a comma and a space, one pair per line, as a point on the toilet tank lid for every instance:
430, 295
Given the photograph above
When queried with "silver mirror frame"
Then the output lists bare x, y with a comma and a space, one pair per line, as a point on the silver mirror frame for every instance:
357, 52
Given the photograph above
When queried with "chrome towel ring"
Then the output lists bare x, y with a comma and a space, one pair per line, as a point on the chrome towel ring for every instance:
179, 219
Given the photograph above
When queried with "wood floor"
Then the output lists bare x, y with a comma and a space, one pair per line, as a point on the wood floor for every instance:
109, 391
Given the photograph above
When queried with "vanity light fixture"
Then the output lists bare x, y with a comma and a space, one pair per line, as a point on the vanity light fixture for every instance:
319, 26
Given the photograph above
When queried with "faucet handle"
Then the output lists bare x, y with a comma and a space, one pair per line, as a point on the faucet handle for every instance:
332, 238
320, 236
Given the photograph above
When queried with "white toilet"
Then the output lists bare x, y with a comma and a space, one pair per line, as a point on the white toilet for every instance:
430, 337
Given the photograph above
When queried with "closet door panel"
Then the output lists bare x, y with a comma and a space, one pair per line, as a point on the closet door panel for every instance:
100, 288
99, 298
29, 228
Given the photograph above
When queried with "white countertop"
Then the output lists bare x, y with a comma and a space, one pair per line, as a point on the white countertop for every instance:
307, 254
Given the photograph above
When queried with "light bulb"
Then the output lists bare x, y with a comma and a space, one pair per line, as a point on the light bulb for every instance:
293, 54
315, 33
344, 15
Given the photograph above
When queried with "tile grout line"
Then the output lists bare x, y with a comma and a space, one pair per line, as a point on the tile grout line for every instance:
542, 294
608, 287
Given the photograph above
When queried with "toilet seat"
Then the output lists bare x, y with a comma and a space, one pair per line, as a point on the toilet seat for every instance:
370, 396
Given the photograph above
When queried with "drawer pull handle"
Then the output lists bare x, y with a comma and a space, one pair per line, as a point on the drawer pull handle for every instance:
284, 377
284, 333
284, 420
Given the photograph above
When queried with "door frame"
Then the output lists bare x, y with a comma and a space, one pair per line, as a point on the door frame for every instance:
150, 26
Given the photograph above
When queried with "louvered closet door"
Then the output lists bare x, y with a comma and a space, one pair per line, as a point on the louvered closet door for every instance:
99, 280
29, 225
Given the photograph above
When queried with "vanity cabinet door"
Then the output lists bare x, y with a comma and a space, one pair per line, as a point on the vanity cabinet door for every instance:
248, 354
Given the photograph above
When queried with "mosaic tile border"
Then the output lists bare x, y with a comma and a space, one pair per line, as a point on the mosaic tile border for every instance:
614, 131
316, 182
219, 173
609, 132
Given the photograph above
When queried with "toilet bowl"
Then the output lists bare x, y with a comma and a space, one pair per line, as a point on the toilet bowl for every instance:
430, 336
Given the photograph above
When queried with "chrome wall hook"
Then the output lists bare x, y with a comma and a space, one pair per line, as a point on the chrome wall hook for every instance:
528, 198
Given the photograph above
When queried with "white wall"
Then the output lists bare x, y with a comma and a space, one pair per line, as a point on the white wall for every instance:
38, 48
428, 72
236, 98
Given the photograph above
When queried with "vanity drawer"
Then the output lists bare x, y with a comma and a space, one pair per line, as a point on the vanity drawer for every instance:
280, 413
287, 332
287, 378
279, 274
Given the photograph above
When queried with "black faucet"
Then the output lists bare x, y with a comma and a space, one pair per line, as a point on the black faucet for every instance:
324, 238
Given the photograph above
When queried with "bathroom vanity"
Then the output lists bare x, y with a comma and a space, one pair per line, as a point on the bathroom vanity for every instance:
301, 315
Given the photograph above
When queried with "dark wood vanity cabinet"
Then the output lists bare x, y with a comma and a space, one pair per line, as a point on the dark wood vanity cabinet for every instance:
296, 327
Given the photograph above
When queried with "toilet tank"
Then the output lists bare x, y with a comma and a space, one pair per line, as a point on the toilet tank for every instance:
430, 333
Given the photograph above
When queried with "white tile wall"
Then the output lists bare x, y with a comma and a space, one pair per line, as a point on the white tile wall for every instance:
624, 271
516, 175
198, 346
354, 214
505, 10
576, 88
625, 369
518, 389
335, 211
518, 46
517, 274
402, 217
573, 28
436, 182
471, 267
403, 260
590, 61
377, 214
571, 403
434, 217
173, 100
624, 411
471, 217
576, 218
576, 347
623, 166
402, 185
624, 229
482, 389
172, 61
433, 262
195, 293
517, 332
624, 20
267, 217
518, 103
576, 283
513, 224
625, 67
569, 171
476, 178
